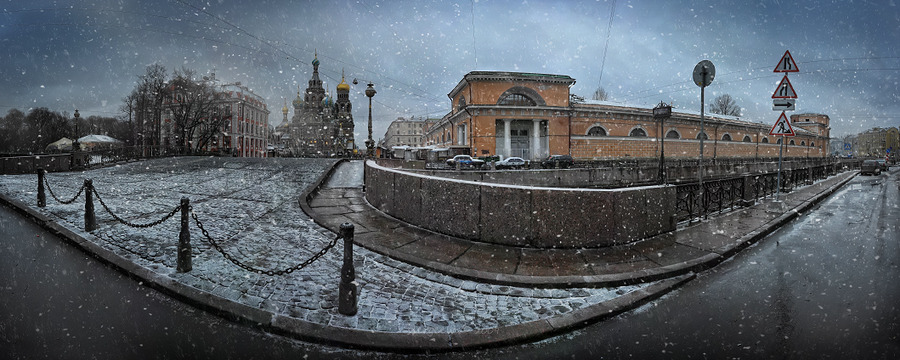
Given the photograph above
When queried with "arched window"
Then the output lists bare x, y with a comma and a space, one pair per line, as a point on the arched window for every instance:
726, 137
672, 134
461, 104
779, 141
596, 131
812, 144
638, 132
747, 138
792, 142
516, 99
765, 140
702, 136
803, 143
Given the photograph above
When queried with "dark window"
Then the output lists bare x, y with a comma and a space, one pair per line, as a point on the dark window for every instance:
672, 134
765, 140
462, 103
779, 141
596, 131
638, 132
803, 143
726, 137
811, 143
792, 142
747, 138
516, 100
702, 136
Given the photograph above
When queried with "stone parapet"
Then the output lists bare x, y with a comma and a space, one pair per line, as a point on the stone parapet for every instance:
539, 217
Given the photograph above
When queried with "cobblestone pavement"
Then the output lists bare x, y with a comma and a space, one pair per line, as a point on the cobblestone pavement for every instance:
250, 207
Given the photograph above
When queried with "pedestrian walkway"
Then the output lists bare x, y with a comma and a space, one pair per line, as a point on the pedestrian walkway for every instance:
687, 249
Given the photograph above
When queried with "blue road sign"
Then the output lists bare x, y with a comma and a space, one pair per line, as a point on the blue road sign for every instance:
847, 146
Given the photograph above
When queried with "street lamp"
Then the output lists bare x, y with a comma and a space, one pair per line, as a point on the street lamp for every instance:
370, 144
661, 112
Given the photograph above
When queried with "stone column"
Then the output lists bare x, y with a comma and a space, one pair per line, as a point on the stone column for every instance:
536, 139
507, 141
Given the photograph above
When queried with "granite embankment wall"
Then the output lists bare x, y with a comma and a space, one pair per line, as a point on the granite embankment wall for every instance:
540, 217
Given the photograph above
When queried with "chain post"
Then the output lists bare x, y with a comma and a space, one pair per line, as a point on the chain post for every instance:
184, 238
348, 295
90, 220
41, 196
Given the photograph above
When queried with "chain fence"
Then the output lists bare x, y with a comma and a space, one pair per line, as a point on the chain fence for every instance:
184, 208
250, 268
66, 202
131, 224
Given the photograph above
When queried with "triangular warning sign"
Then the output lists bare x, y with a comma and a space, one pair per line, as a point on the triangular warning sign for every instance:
785, 90
782, 126
787, 63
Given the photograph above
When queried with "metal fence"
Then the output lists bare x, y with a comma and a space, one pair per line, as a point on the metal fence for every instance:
725, 195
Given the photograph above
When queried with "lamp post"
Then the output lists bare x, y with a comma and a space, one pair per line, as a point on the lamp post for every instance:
370, 144
661, 112
75, 145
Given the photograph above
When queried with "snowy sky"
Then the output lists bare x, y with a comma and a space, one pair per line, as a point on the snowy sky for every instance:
88, 54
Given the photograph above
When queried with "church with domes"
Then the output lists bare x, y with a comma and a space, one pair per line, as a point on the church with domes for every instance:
321, 125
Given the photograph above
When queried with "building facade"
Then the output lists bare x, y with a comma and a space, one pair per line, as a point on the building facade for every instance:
877, 142
534, 115
246, 134
404, 132
321, 125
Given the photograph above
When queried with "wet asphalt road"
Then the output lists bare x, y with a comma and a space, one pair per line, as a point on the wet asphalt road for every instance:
827, 285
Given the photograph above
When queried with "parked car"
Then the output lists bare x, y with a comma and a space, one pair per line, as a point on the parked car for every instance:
511, 163
870, 167
465, 160
560, 161
883, 163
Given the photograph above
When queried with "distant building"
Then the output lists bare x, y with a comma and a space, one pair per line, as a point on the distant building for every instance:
235, 120
877, 142
321, 125
404, 132
246, 135
534, 115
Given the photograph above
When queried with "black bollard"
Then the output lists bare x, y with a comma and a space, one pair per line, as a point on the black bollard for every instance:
90, 220
184, 239
347, 298
42, 197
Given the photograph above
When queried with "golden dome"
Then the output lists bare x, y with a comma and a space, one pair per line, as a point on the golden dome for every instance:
343, 85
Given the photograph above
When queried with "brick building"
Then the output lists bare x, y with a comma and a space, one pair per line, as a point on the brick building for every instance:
534, 115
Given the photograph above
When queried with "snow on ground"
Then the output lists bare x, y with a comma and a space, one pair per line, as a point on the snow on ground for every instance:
250, 207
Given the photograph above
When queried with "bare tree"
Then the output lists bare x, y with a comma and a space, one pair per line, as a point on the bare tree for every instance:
12, 132
196, 109
725, 105
600, 94
145, 102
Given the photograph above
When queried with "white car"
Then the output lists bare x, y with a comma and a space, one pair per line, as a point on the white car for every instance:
465, 160
511, 163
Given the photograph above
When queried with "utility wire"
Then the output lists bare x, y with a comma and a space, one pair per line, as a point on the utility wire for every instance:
612, 14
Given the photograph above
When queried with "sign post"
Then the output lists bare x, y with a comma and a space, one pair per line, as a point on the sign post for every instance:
784, 99
704, 73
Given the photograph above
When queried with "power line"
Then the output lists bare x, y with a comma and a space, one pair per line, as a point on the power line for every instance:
612, 14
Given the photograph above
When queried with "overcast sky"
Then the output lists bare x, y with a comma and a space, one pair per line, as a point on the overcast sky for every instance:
87, 54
